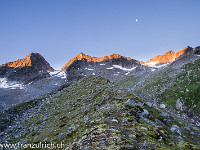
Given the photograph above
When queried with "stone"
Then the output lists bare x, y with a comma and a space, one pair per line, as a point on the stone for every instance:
162, 106
114, 120
149, 104
70, 129
140, 104
145, 113
124, 121
192, 132
190, 113
61, 135
134, 122
103, 143
179, 104
180, 139
159, 122
165, 115
197, 124
131, 102
112, 128
130, 146
175, 129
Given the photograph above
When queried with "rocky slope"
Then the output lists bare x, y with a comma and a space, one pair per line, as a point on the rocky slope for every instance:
30, 68
93, 113
95, 107
26, 79
176, 84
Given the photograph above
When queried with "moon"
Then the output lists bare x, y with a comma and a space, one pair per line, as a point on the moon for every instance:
136, 20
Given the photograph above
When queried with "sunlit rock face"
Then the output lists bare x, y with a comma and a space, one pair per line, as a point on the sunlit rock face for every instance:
31, 67
168, 57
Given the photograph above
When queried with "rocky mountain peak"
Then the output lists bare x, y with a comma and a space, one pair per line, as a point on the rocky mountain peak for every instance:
166, 58
30, 60
23, 69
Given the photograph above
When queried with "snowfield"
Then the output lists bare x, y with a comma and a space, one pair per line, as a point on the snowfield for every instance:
60, 74
125, 69
11, 85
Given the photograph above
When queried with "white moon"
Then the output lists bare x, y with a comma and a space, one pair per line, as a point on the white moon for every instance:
136, 20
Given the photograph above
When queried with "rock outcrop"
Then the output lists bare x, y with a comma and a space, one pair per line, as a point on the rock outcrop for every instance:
197, 50
31, 67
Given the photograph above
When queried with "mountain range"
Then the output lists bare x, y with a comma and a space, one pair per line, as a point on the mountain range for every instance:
110, 102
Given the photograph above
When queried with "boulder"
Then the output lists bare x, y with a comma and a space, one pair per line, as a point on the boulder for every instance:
190, 113
179, 104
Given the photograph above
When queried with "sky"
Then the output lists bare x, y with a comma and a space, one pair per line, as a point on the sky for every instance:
60, 29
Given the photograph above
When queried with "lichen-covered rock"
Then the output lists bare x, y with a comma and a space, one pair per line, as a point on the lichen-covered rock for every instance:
179, 104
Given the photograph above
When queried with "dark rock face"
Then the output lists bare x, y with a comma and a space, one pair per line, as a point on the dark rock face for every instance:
190, 112
30, 68
197, 50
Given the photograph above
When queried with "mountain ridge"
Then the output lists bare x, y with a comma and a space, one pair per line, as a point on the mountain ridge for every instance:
167, 57
83, 57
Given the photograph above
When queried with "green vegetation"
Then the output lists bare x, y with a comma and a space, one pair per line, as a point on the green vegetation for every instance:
168, 84
186, 86
93, 113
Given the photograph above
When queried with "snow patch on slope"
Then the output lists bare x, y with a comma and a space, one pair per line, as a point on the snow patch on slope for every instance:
11, 85
89, 69
110, 68
151, 64
154, 64
125, 69
60, 74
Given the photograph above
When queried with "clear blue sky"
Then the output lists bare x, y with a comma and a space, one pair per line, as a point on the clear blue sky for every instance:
60, 29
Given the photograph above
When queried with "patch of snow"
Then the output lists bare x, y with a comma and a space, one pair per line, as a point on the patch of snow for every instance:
53, 73
153, 69
11, 85
110, 68
30, 83
159, 66
90, 69
125, 69
162, 105
152, 63
114, 120
60, 74
127, 73
102, 64
93, 73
